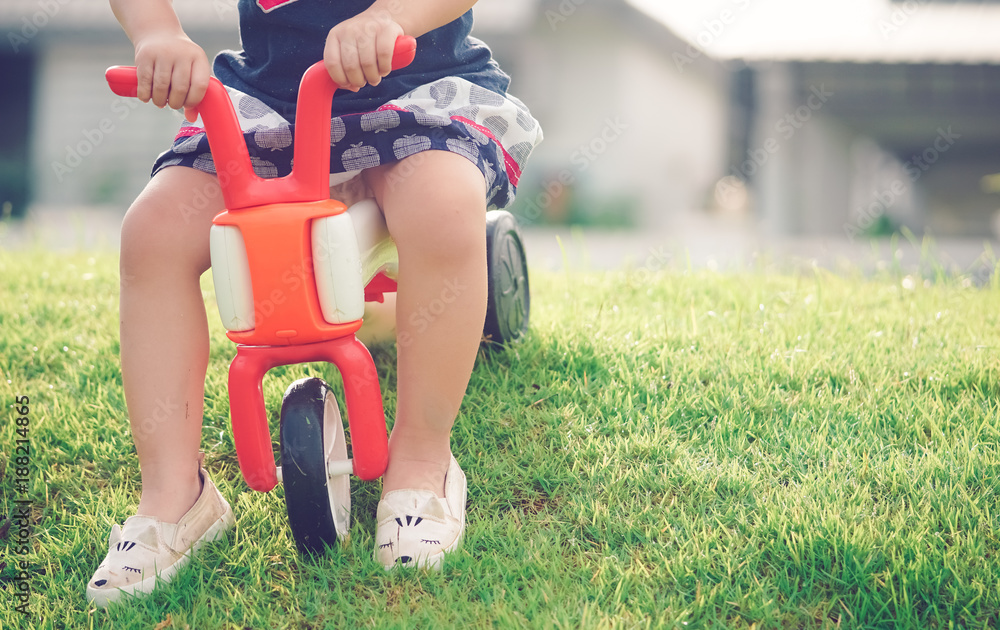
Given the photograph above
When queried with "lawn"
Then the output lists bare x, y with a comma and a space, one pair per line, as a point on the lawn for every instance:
670, 448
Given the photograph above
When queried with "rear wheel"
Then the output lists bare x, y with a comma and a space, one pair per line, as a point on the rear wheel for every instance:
509, 301
312, 435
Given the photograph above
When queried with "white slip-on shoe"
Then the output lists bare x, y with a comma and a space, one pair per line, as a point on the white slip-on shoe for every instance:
146, 550
417, 528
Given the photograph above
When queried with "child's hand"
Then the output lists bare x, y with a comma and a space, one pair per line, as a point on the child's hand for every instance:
359, 50
171, 70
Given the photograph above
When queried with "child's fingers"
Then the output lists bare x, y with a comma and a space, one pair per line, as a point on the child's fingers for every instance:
369, 62
386, 47
350, 61
375, 50
200, 74
161, 83
180, 84
332, 56
144, 81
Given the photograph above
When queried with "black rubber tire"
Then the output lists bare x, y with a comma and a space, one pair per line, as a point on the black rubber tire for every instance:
509, 299
312, 432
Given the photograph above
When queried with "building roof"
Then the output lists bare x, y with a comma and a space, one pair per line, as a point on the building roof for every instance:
882, 31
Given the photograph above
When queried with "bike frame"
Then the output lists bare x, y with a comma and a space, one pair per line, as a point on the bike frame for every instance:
274, 217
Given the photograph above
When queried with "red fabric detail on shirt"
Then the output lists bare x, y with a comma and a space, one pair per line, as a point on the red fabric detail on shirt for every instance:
187, 132
270, 5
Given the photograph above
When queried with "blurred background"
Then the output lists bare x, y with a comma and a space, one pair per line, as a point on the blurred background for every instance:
711, 131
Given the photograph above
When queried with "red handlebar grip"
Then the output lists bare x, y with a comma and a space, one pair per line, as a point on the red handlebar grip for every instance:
406, 50
122, 80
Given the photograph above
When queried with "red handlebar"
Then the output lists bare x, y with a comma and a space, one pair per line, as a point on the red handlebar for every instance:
241, 187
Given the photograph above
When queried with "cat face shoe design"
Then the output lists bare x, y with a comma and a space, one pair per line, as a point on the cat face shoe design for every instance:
416, 528
147, 549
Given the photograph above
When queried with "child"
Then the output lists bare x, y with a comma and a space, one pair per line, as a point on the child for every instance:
448, 144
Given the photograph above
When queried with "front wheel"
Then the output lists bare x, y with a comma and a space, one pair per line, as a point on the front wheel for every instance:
312, 435
509, 301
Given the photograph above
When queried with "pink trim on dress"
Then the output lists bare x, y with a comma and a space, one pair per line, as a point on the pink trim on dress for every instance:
510, 164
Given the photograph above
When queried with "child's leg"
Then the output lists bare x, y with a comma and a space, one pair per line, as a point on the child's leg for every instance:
435, 207
164, 333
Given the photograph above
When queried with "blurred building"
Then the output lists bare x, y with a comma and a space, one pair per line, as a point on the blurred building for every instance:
630, 138
834, 118
858, 116
75, 143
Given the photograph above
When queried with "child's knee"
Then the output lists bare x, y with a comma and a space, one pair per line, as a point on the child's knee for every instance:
440, 208
443, 237
139, 232
163, 228
149, 243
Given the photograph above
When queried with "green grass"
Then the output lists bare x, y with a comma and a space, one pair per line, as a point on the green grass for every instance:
670, 449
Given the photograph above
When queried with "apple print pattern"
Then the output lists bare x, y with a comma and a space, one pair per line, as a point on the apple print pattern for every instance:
494, 131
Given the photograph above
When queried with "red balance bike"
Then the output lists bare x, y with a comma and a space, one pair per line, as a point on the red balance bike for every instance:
344, 256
